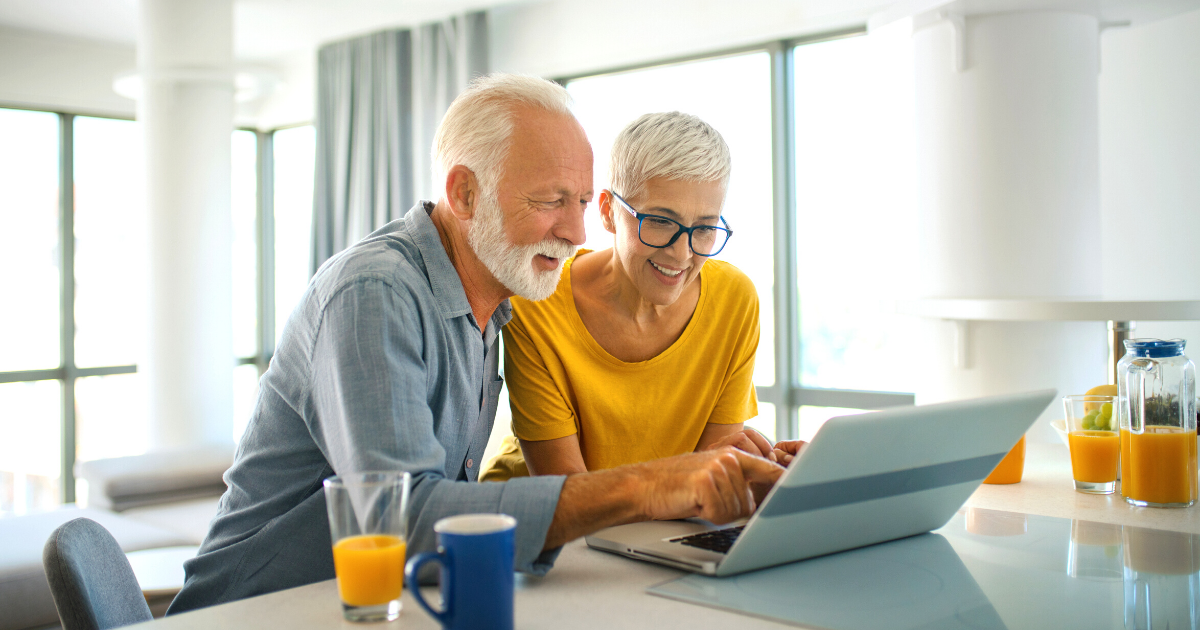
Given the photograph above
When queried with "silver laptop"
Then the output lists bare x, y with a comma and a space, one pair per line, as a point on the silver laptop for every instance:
863, 479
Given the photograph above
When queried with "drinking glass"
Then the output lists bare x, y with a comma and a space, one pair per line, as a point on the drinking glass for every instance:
368, 514
1095, 442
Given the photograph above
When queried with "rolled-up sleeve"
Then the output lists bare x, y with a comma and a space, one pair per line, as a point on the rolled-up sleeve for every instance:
371, 396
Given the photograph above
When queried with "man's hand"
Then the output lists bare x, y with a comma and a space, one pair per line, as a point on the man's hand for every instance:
717, 485
749, 441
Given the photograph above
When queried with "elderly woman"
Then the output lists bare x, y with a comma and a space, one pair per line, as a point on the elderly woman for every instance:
645, 350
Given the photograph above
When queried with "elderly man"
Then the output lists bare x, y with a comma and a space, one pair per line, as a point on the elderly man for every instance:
390, 363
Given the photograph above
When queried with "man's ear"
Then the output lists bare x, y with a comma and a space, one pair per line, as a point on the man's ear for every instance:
606, 211
462, 192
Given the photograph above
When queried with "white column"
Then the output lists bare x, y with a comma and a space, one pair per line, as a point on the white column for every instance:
1008, 168
185, 51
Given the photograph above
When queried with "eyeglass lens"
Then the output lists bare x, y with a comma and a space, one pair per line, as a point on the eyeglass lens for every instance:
705, 241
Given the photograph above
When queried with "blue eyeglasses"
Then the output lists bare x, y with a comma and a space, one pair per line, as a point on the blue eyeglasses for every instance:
657, 231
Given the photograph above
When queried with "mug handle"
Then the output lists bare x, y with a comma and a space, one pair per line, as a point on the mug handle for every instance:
412, 570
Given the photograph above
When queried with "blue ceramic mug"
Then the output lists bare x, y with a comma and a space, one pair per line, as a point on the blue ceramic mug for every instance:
476, 554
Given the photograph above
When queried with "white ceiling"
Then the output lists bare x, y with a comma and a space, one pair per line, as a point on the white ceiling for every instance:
108, 20
263, 29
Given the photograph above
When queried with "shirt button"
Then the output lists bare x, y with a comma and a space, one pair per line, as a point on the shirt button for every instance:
470, 463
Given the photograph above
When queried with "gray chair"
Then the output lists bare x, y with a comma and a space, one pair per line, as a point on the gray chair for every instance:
92, 583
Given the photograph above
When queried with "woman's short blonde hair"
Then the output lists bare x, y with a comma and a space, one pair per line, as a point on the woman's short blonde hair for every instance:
671, 145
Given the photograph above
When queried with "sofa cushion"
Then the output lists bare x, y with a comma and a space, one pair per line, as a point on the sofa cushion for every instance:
121, 483
24, 593
189, 519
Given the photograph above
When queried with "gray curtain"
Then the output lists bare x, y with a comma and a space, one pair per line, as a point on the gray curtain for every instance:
379, 99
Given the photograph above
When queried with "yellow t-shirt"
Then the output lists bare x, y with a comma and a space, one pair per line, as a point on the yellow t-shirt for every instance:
561, 381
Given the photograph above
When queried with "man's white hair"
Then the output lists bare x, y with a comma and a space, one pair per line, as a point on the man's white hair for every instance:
671, 145
476, 129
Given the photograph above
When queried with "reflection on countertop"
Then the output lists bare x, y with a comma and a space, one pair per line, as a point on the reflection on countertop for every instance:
1082, 574
984, 569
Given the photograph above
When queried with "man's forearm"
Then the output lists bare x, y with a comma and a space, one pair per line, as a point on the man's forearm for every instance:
593, 501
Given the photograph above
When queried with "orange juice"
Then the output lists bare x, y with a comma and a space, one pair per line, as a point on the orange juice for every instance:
370, 569
1010, 468
1162, 465
1094, 455
1126, 479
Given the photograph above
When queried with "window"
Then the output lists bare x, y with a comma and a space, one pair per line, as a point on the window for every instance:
854, 202
109, 420
854, 206
244, 209
295, 155
110, 241
109, 278
30, 331
30, 461
29, 208
68, 354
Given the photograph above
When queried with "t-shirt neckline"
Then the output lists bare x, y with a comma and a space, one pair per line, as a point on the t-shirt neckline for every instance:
594, 346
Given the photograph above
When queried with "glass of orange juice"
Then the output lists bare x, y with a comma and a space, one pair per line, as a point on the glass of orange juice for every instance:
1095, 440
368, 517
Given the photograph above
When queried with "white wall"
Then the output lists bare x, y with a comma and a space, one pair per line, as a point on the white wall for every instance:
63, 73
1150, 167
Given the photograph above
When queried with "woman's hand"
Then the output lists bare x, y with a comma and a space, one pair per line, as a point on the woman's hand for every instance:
749, 441
787, 450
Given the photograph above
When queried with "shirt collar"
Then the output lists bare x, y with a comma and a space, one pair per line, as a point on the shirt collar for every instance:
501, 317
443, 277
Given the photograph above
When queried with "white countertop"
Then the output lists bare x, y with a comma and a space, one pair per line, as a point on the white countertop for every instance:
592, 589
1046, 489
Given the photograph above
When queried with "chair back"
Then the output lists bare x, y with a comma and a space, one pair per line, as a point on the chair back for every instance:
90, 578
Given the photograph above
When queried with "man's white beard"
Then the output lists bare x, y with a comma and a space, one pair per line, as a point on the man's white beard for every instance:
511, 264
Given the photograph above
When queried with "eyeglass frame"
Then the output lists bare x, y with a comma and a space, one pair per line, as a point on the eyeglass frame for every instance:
640, 216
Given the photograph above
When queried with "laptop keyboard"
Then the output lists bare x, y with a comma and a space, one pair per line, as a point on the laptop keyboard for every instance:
718, 540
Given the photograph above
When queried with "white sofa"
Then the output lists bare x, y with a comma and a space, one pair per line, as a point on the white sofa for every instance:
161, 499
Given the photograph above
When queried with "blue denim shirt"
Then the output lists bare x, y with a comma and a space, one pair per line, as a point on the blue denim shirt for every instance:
382, 366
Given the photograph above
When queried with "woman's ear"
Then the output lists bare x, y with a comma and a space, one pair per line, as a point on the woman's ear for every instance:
606, 211
462, 192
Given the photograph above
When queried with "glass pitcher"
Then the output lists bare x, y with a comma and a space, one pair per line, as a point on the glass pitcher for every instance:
1156, 401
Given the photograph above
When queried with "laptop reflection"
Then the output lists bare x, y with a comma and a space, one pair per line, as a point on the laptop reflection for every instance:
912, 583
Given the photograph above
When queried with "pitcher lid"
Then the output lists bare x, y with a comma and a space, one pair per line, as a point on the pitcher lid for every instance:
1155, 348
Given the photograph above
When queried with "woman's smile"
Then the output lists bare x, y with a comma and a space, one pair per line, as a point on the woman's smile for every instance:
670, 275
